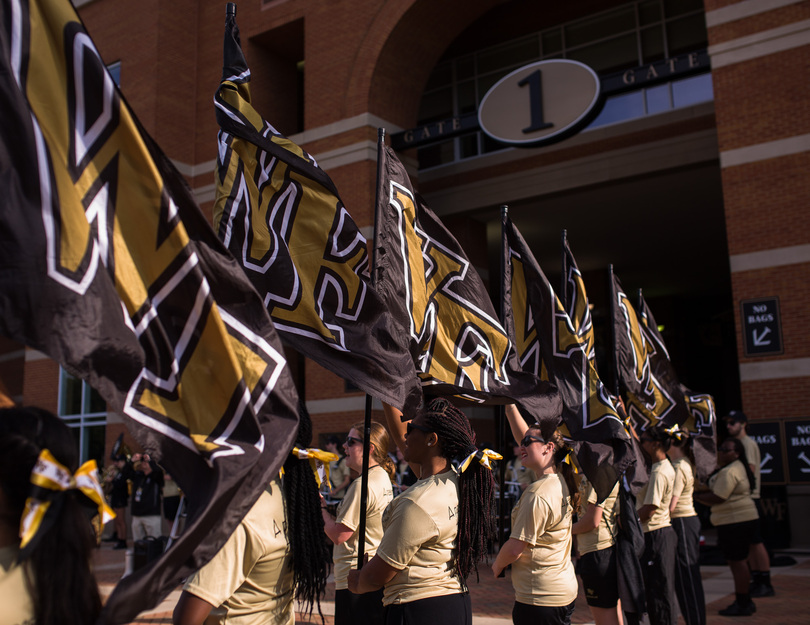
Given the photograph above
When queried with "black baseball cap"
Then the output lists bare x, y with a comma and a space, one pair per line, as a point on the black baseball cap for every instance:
736, 416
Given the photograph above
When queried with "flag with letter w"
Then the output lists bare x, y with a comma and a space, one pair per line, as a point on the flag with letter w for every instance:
109, 267
550, 345
281, 216
457, 343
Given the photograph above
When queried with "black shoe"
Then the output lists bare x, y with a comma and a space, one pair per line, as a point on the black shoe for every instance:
121, 544
735, 609
762, 590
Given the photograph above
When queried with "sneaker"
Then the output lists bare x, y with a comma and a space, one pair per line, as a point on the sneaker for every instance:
762, 590
121, 544
735, 609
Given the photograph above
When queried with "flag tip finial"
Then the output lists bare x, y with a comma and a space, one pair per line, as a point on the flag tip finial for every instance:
230, 9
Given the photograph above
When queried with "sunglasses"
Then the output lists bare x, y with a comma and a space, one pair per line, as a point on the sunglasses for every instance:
529, 439
410, 427
351, 441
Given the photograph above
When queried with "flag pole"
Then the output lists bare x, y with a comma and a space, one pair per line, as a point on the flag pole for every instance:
361, 530
501, 418
564, 279
614, 353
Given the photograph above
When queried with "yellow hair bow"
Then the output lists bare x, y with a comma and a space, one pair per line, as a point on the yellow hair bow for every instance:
675, 432
315, 456
483, 455
49, 474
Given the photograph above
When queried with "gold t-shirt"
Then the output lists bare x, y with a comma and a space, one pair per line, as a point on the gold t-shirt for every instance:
754, 459
380, 494
516, 472
17, 607
657, 492
683, 489
604, 534
731, 483
544, 574
420, 528
250, 579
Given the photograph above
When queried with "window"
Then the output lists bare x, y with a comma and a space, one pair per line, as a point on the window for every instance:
85, 413
625, 37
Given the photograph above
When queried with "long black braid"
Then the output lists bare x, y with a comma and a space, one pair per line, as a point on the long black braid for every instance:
310, 555
476, 523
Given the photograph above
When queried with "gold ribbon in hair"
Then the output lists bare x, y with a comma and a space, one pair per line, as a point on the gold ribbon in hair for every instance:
315, 456
676, 432
483, 455
48, 473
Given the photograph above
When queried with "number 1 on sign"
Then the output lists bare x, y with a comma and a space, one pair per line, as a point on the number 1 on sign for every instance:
535, 101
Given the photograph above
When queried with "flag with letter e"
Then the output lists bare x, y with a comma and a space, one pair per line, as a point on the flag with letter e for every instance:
281, 216
544, 333
457, 343
108, 266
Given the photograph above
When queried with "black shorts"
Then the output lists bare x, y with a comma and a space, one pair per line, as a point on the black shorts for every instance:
734, 539
600, 577
366, 608
453, 609
523, 614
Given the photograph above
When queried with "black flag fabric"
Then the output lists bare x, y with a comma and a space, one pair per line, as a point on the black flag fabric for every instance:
457, 343
108, 266
576, 302
696, 411
281, 216
549, 345
651, 395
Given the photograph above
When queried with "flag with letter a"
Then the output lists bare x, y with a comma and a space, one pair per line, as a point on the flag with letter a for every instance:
108, 266
457, 343
549, 345
281, 216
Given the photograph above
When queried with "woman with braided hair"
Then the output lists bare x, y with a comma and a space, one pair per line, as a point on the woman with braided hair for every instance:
276, 553
437, 531
342, 529
45, 574
539, 547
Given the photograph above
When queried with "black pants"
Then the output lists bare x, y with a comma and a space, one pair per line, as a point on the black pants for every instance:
366, 608
523, 614
446, 610
658, 565
688, 584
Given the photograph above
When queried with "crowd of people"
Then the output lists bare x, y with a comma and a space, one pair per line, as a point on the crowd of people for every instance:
422, 540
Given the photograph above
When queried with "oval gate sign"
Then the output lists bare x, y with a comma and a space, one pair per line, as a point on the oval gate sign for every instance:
541, 103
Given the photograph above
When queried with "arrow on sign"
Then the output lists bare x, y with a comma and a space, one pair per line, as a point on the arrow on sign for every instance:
806, 460
759, 340
768, 457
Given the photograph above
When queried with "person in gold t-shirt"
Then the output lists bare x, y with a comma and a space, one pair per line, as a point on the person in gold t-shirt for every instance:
660, 541
342, 529
437, 531
539, 546
596, 530
685, 522
735, 516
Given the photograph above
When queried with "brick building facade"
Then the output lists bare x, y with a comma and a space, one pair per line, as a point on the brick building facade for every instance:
694, 188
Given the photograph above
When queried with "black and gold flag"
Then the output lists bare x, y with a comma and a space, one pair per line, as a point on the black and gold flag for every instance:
576, 302
652, 393
545, 333
695, 411
108, 266
281, 216
457, 343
